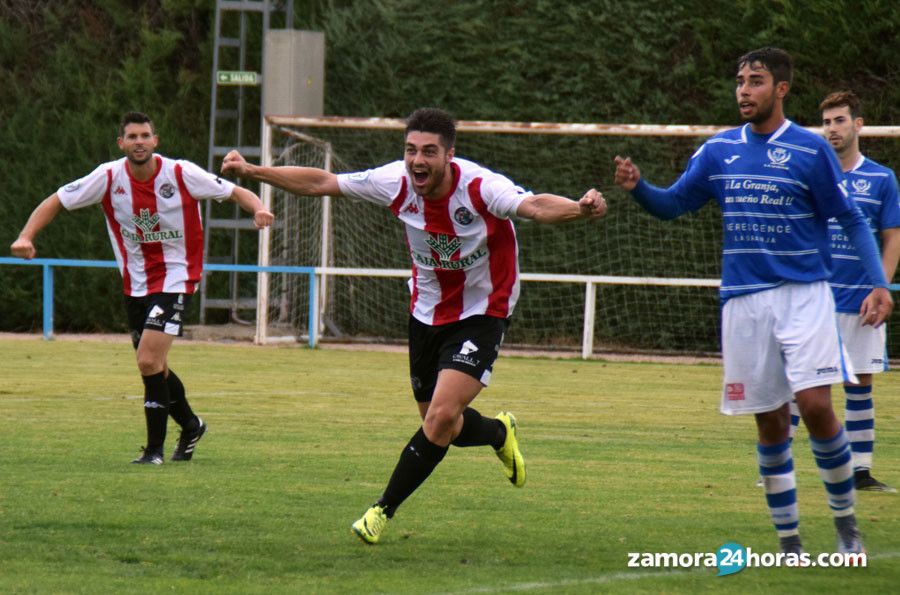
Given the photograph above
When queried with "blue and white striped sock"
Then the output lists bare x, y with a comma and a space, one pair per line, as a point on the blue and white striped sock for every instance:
776, 466
836, 470
860, 423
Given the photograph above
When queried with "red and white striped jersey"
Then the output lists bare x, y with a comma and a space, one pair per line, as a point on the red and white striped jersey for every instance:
465, 258
154, 226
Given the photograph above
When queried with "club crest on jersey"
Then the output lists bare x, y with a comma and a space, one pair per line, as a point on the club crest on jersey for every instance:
861, 186
167, 190
463, 216
778, 157
444, 245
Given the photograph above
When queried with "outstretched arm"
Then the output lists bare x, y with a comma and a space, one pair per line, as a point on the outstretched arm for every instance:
658, 202
251, 203
45, 212
303, 181
550, 208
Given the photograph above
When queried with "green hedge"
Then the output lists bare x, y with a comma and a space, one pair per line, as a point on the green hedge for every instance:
70, 68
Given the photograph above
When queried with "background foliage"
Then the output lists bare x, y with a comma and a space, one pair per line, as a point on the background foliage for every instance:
70, 68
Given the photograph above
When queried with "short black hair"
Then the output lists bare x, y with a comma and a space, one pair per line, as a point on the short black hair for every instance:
435, 121
135, 118
777, 61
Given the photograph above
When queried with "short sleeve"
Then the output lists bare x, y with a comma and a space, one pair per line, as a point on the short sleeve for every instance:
380, 185
86, 191
890, 204
501, 196
204, 185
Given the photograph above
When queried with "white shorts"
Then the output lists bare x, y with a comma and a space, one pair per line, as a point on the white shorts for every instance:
776, 343
865, 345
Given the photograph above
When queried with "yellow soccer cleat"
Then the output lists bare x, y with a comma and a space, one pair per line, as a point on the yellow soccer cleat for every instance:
509, 454
370, 526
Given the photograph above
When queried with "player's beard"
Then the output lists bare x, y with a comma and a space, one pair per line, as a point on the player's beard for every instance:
437, 178
763, 110
845, 144
134, 161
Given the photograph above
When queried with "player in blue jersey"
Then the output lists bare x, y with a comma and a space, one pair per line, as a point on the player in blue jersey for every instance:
874, 189
777, 185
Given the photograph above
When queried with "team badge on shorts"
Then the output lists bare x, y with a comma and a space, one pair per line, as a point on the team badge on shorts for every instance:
167, 190
463, 216
734, 391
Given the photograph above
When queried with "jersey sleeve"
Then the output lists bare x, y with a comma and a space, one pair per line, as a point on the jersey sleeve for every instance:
204, 185
827, 183
890, 204
380, 185
86, 191
690, 192
501, 196
693, 189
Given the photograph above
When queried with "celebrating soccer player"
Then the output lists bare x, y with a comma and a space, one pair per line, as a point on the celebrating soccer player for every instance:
777, 185
874, 189
153, 219
465, 283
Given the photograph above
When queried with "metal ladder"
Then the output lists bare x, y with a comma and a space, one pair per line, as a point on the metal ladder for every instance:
236, 122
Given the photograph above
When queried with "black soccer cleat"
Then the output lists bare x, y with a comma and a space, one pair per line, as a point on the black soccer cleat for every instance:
864, 481
187, 442
150, 456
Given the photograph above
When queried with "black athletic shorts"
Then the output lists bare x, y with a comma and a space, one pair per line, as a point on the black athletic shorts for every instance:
469, 345
158, 312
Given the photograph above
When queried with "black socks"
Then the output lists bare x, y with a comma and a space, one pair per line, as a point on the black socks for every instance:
156, 409
179, 408
478, 430
417, 461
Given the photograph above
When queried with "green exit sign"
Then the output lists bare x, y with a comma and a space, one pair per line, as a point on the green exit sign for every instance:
237, 77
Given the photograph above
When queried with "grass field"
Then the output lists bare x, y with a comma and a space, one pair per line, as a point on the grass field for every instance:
621, 458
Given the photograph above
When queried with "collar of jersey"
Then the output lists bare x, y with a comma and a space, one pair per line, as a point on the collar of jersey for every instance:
156, 159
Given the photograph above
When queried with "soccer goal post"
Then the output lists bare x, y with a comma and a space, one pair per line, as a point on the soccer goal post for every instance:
627, 282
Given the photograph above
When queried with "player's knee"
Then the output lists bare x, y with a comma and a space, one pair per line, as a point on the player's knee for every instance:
439, 423
773, 426
817, 413
148, 364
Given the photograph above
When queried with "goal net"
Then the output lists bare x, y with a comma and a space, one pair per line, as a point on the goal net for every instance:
627, 282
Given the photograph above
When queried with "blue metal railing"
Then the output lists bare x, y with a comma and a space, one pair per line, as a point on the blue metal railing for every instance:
48, 265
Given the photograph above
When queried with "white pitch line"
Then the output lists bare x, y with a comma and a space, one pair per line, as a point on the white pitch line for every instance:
615, 577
